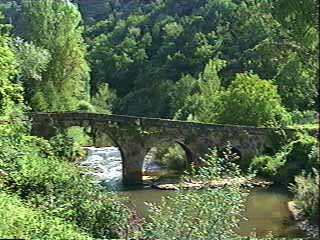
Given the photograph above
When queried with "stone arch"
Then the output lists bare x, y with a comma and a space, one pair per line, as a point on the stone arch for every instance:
188, 152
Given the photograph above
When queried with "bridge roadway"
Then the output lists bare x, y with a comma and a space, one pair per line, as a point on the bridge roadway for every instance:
135, 136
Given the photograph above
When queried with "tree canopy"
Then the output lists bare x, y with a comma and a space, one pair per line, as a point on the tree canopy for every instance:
55, 27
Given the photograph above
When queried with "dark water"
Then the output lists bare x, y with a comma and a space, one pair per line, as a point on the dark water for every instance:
266, 211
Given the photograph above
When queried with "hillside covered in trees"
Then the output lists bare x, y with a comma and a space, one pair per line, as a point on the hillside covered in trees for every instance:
182, 59
241, 62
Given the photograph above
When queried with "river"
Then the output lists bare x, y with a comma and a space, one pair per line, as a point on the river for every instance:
266, 208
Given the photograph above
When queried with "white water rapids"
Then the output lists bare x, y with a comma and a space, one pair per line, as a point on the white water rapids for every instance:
105, 165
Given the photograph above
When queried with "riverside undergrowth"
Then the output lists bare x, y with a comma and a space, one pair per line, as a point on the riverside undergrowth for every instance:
56, 187
210, 213
41, 195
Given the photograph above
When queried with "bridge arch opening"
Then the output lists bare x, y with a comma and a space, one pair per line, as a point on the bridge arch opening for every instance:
166, 158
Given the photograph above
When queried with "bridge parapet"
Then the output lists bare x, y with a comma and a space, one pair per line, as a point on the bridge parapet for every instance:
150, 122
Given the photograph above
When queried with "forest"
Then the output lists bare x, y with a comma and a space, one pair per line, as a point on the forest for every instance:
239, 62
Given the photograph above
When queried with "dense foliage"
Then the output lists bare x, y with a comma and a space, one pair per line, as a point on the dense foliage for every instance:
38, 188
45, 182
144, 50
218, 61
300, 154
306, 190
10, 93
54, 26
252, 101
162, 58
20, 222
201, 214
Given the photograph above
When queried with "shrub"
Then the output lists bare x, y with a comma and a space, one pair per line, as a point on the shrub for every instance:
305, 117
210, 214
103, 99
55, 186
10, 93
298, 155
270, 165
65, 147
68, 145
216, 166
206, 214
85, 106
18, 221
306, 195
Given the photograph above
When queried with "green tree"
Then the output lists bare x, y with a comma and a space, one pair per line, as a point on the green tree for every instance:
54, 26
306, 190
144, 49
200, 98
252, 101
300, 30
20, 221
10, 93
33, 61
103, 99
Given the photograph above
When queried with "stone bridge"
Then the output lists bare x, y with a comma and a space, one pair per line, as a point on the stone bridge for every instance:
135, 136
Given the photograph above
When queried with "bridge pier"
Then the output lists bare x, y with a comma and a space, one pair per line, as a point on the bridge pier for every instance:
132, 164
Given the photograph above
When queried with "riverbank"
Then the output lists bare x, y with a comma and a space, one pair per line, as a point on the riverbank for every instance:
197, 185
303, 223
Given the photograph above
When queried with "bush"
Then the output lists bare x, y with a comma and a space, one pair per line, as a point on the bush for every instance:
55, 186
305, 117
210, 214
217, 165
306, 195
84, 106
298, 155
18, 221
103, 99
206, 214
270, 165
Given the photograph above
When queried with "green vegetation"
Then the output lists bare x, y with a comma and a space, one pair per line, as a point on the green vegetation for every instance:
216, 61
148, 51
254, 102
293, 158
19, 221
54, 26
173, 157
42, 191
306, 190
204, 214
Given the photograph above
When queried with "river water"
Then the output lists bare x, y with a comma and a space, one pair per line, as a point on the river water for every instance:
266, 208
